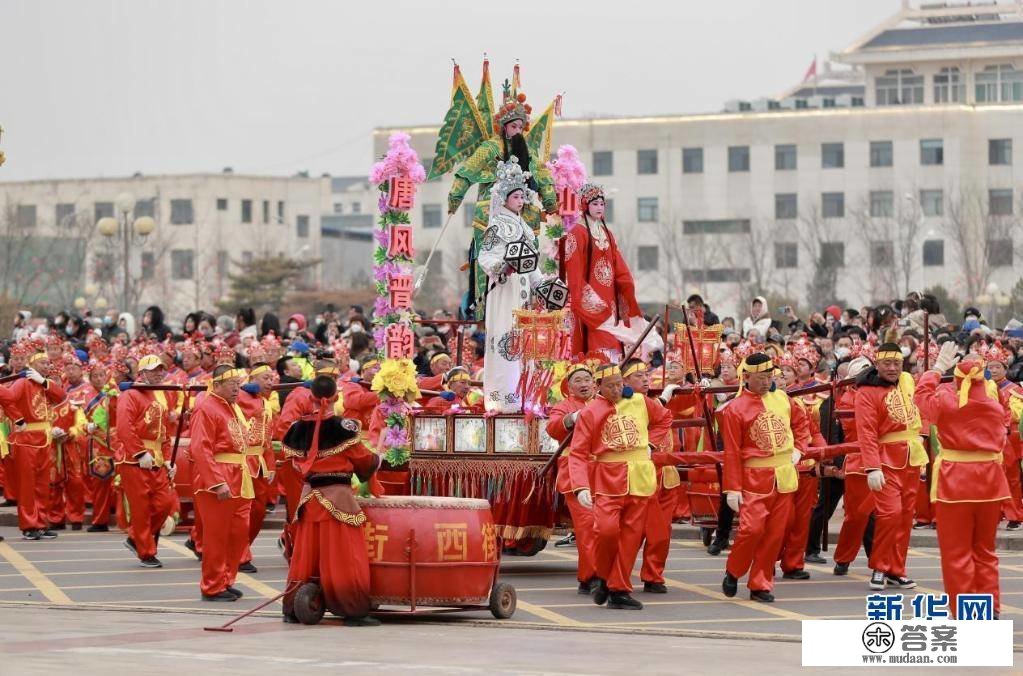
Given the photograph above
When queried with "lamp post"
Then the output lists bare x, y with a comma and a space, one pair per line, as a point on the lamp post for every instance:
128, 231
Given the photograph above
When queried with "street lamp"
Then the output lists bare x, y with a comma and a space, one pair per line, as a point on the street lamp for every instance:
129, 232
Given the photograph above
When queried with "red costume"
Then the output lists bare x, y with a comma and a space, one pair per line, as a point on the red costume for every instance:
794, 546
259, 415
1012, 399
858, 506
68, 491
969, 483
582, 518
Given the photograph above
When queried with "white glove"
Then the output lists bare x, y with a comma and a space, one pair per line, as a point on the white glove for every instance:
669, 392
584, 498
704, 383
34, 375
946, 356
875, 480
146, 461
172, 470
57, 432
90, 428
734, 500
796, 456
569, 420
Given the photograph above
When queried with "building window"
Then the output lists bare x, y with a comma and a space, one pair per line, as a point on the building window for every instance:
999, 83
181, 212
646, 161
692, 160
266, 211
949, 86
246, 211
646, 258
716, 275
65, 215
882, 254
646, 209
182, 264
356, 207
302, 225
832, 155
881, 204
148, 268
785, 157
899, 87
726, 226
145, 207
833, 204
833, 254
932, 202
934, 253
999, 253
103, 210
221, 204
738, 158
246, 257
999, 151
339, 207
25, 216
222, 263
932, 151
469, 211
880, 153
431, 216
786, 255
999, 202
609, 210
785, 205
603, 163
280, 211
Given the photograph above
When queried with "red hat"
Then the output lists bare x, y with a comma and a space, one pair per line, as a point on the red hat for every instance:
834, 311
996, 353
805, 350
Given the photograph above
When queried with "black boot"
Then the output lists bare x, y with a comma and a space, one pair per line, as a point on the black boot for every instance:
98, 528
730, 585
599, 592
761, 596
796, 575
623, 601
655, 588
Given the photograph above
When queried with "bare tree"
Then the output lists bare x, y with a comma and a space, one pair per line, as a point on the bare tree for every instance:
817, 238
982, 241
891, 238
753, 250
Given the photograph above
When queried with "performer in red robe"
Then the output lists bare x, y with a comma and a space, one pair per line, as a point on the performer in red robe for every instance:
69, 492
616, 433
145, 421
856, 496
600, 285
969, 484
1011, 394
329, 540
255, 402
891, 453
577, 387
455, 397
223, 483
764, 432
99, 452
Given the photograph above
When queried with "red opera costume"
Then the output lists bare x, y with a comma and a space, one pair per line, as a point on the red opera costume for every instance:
1012, 400
969, 483
68, 496
794, 545
858, 504
760, 433
99, 455
259, 415
582, 518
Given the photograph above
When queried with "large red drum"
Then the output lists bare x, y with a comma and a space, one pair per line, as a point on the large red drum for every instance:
430, 551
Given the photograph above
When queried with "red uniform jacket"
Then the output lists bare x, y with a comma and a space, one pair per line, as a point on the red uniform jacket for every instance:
143, 424
886, 423
259, 440
219, 440
557, 431
847, 402
29, 403
978, 427
358, 402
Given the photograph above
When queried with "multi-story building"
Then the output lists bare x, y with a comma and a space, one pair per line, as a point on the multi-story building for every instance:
900, 170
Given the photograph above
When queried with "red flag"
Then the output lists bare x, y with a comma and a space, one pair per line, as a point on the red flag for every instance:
811, 72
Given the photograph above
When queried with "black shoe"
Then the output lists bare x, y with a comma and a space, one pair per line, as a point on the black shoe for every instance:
151, 562
730, 585
841, 569
9, 503
714, 548
223, 597
877, 581
237, 592
190, 545
289, 619
761, 596
898, 582
584, 587
366, 621
247, 567
31, 535
130, 544
655, 588
47, 534
1012, 525
623, 601
77, 525
98, 528
814, 557
271, 507
921, 526
567, 541
796, 575
599, 591
58, 526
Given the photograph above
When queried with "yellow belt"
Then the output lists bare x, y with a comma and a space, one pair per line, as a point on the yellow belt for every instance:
917, 452
784, 471
642, 475
630, 455
953, 455
40, 426
156, 450
239, 459
258, 452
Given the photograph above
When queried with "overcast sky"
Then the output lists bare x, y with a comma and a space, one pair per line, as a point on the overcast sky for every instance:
106, 88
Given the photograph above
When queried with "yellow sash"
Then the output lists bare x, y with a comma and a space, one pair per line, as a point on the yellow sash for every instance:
917, 452
670, 477
257, 451
953, 455
155, 449
784, 471
239, 459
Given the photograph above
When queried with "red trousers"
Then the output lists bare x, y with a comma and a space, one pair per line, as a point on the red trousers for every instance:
10, 475
619, 521
794, 545
893, 519
102, 491
1012, 510
226, 529
33, 466
257, 513
67, 486
966, 536
335, 553
924, 508
657, 533
762, 522
585, 537
291, 482
858, 506
150, 501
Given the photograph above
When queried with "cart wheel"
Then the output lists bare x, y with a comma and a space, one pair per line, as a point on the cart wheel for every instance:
309, 603
530, 546
503, 600
708, 535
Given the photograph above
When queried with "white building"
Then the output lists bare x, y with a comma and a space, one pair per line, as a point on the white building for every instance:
900, 171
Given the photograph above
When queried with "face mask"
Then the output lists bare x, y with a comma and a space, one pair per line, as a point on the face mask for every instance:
905, 351
69, 331
356, 328
841, 352
293, 326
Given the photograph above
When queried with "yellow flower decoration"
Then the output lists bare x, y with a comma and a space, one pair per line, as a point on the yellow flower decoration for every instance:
397, 377
559, 371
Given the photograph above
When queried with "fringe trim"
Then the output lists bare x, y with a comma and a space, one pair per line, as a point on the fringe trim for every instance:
290, 452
